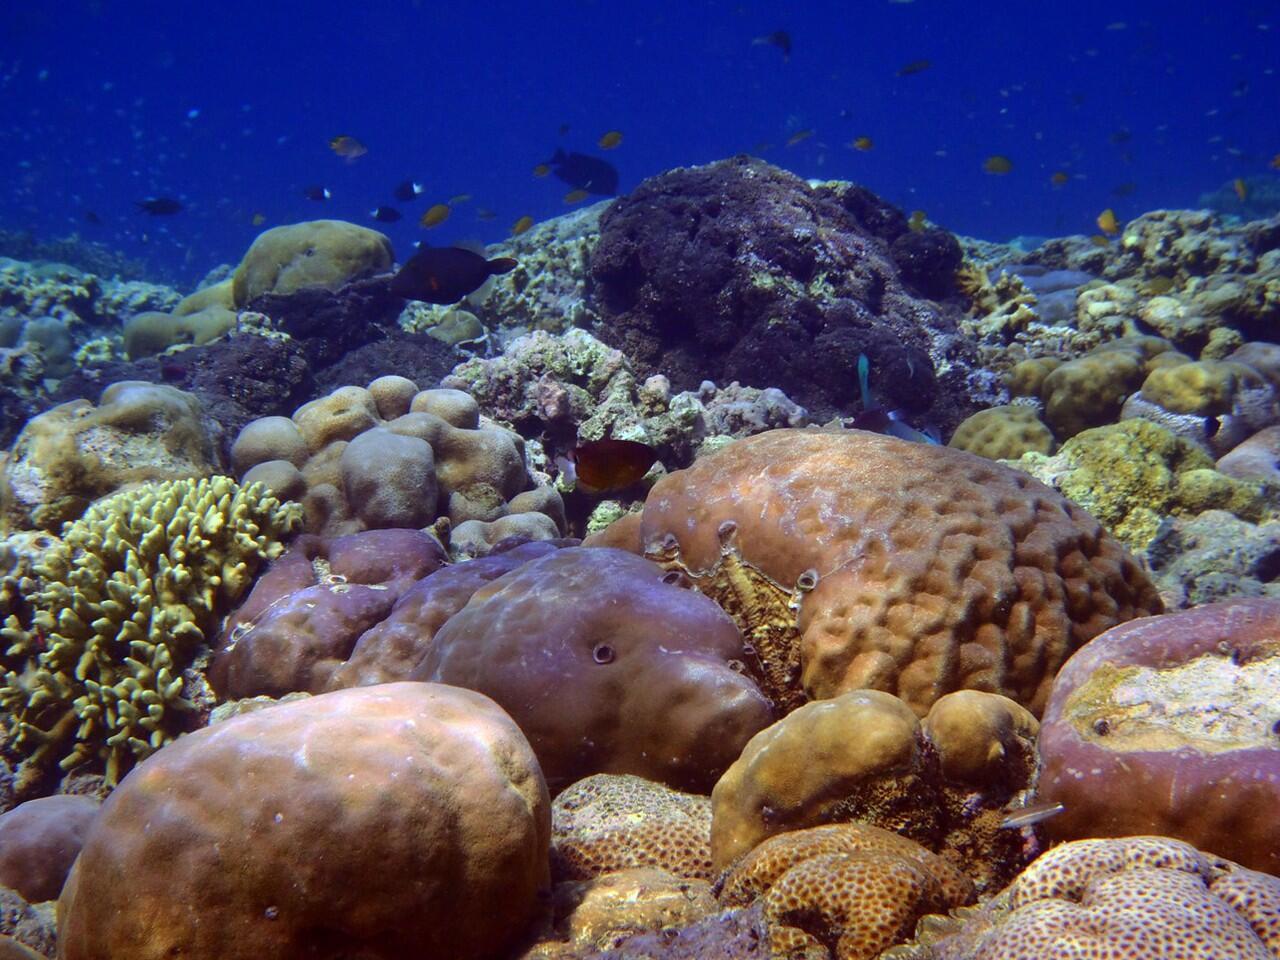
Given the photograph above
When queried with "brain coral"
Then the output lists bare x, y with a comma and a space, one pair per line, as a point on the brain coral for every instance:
95, 666
606, 667
853, 560
401, 820
1140, 898
317, 253
1169, 725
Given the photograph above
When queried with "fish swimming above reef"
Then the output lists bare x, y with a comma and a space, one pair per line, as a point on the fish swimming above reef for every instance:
446, 274
316, 192
608, 465
1108, 223
874, 417
408, 190
780, 39
584, 172
159, 206
385, 214
347, 147
435, 215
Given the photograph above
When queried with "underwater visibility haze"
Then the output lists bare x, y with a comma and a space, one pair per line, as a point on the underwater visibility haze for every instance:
619, 481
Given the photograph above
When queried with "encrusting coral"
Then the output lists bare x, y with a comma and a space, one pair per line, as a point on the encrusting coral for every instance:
117, 612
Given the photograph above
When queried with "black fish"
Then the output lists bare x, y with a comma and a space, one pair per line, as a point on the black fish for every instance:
385, 214
159, 206
780, 39
317, 193
409, 190
445, 274
91, 217
586, 172
915, 66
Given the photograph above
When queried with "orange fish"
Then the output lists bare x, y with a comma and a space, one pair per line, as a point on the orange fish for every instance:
610, 140
1108, 223
521, 225
435, 215
348, 147
997, 164
1241, 188
606, 466
576, 196
541, 170
1059, 178
1275, 162
862, 143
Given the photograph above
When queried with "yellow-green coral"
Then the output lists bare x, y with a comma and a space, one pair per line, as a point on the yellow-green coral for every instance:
117, 612
1003, 433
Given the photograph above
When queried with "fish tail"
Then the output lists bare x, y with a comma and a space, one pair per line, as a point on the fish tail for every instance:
503, 265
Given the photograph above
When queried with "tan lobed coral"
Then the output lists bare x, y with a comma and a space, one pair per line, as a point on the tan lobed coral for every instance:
392, 455
117, 612
315, 253
847, 891
1139, 897
863, 757
392, 821
1002, 433
853, 560
75, 453
609, 822
203, 316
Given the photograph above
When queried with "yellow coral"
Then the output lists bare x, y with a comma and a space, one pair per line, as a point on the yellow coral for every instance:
1003, 433
119, 610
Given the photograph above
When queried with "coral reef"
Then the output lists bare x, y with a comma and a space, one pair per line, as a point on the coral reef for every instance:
116, 612
1214, 556
39, 840
1003, 433
620, 670
1167, 726
864, 757
316, 253
390, 455
740, 271
1143, 896
392, 820
854, 560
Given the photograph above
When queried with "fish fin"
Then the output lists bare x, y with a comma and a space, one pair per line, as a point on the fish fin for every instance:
502, 265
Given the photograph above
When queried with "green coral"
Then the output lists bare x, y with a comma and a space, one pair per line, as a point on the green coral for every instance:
1133, 474
119, 609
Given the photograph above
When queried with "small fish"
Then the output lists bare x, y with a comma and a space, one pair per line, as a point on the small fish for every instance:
584, 172
780, 39
1098, 240
610, 141
874, 417
997, 164
862, 143
1275, 162
1059, 178
484, 213
258, 218
317, 193
385, 214
1108, 223
915, 223
1030, 815
159, 206
409, 190
445, 274
564, 129
1158, 286
436, 214
460, 199
1123, 135
541, 170
1241, 188
800, 136
91, 216
606, 466
521, 225
575, 196
1126, 189
349, 148
915, 66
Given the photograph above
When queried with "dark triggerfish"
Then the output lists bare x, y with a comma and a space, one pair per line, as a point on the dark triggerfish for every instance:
608, 465
445, 274
586, 172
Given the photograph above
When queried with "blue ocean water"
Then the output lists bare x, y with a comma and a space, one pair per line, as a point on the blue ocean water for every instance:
229, 109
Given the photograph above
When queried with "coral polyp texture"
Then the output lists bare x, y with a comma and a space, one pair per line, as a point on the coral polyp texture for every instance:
1122, 899
853, 560
1169, 725
399, 820
115, 614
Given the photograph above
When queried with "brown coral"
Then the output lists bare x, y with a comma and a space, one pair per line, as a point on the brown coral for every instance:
853, 560
610, 822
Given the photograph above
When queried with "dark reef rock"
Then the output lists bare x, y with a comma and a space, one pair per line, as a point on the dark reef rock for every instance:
328, 323
740, 271
420, 357
237, 380
14, 413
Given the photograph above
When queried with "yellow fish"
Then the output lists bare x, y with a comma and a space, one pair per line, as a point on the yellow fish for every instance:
1098, 240
997, 164
800, 136
1108, 223
541, 170
862, 143
521, 225
576, 196
610, 140
1241, 188
915, 223
348, 147
435, 215
259, 219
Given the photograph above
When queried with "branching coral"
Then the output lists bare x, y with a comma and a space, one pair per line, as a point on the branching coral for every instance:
118, 610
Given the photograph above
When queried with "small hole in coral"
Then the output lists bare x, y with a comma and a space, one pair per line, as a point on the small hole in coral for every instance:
1102, 726
602, 653
807, 580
